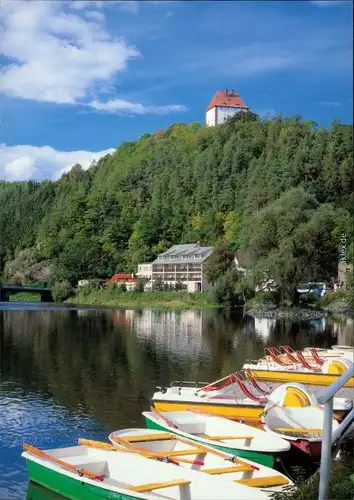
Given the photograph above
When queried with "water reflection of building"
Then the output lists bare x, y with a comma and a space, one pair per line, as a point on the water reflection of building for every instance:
264, 326
123, 317
179, 332
342, 328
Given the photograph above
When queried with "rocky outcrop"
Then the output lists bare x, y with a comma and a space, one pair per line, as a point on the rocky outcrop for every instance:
27, 268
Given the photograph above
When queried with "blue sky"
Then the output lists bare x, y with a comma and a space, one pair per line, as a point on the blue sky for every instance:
79, 78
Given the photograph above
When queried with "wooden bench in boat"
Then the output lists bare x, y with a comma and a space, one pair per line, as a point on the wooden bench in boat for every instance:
259, 482
163, 436
222, 438
83, 460
226, 470
141, 488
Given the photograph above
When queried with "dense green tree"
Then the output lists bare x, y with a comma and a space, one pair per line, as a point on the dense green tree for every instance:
219, 262
232, 183
292, 241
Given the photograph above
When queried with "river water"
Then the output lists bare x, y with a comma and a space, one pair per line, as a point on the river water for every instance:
68, 373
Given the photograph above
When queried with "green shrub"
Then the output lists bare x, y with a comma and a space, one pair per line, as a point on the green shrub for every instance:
226, 291
330, 297
266, 297
62, 290
309, 299
349, 291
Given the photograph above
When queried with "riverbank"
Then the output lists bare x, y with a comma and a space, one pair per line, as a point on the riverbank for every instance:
154, 300
340, 484
25, 297
311, 307
293, 313
204, 300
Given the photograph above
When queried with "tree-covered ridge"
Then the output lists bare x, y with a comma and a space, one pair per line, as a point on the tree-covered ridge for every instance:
187, 184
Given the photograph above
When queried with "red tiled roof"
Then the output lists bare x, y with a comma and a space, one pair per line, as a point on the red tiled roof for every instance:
225, 98
121, 277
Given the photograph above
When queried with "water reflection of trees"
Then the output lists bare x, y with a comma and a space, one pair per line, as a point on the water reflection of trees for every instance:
107, 364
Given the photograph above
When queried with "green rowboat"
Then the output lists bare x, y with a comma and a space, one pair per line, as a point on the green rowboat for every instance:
87, 473
221, 433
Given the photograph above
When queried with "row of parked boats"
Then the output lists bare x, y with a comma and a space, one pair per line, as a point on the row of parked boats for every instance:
192, 450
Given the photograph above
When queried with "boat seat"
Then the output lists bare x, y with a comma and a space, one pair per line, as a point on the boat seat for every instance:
191, 426
227, 470
141, 488
263, 482
140, 438
92, 464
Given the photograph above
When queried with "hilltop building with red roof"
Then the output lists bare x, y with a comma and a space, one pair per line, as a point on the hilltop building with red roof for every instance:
223, 105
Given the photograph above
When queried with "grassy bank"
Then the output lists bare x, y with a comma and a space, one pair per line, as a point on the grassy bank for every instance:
25, 297
340, 484
154, 300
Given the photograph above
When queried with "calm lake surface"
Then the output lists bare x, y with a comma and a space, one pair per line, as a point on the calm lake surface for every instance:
69, 373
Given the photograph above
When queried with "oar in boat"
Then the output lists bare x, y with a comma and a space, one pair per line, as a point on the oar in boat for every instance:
150, 454
168, 421
46, 456
222, 454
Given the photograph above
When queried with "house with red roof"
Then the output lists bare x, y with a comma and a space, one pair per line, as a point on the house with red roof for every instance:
223, 105
122, 279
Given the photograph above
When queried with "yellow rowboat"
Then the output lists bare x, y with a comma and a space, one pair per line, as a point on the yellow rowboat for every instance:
310, 357
294, 367
232, 397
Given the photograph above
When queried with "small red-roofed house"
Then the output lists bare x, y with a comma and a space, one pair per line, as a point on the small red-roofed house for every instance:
223, 105
123, 279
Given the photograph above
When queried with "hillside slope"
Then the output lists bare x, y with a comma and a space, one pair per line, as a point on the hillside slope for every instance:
186, 184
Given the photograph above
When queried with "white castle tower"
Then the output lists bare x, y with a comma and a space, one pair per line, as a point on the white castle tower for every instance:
223, 105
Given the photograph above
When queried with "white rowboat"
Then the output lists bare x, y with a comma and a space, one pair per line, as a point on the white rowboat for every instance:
121, 475
186, 453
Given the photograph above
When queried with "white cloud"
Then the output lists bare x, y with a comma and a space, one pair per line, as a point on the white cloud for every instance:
20, 163
57, 55
120, 106
96, 15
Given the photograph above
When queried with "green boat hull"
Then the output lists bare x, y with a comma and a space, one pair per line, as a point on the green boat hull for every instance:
259, 457
37, 492
68, 487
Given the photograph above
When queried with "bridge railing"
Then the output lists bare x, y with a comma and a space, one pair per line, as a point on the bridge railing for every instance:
328, 439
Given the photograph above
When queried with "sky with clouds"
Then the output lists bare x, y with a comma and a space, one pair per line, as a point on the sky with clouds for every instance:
79, 78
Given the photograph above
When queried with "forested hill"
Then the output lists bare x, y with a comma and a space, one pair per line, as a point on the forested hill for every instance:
282, 187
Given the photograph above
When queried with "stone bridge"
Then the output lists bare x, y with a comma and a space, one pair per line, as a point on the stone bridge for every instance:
7, 290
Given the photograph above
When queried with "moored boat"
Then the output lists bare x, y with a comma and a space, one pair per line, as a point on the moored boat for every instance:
283, 368
223, 434
301, 426
237, 397
309, 357
88, 473
174, 449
